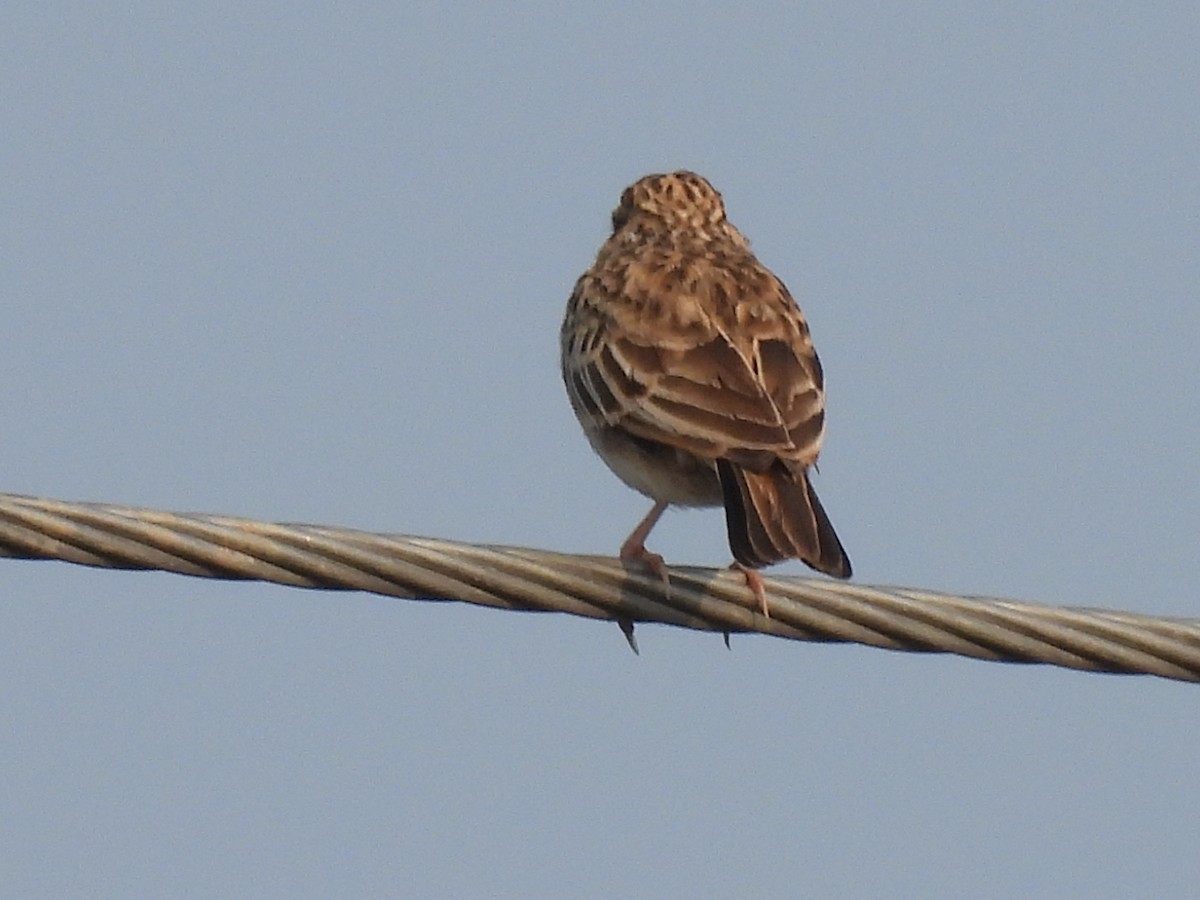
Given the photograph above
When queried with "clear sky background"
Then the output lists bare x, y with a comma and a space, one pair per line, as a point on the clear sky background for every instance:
308, 262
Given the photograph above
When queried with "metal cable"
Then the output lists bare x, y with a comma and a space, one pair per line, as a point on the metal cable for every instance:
314, 556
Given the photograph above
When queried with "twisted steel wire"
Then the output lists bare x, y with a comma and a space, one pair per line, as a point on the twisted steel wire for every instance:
314, 556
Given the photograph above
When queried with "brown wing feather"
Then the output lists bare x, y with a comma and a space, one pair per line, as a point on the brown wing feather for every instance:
714, 378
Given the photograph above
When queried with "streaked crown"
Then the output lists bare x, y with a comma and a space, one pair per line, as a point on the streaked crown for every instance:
680, 199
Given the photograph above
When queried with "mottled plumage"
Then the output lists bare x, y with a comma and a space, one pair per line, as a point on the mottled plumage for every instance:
692, 372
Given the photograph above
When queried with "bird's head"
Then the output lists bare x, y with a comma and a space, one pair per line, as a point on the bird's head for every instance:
679, 200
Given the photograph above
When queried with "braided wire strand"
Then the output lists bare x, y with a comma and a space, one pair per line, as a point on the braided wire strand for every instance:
806, 609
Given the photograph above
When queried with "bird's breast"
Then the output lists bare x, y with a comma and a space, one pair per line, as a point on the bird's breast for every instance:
657, 470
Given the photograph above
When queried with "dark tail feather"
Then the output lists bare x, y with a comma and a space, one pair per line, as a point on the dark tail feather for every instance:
775, 515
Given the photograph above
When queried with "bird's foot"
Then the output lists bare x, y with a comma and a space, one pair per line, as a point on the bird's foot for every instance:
635, 553
754, 581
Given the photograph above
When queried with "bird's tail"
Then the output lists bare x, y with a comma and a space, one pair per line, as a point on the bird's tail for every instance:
775, 515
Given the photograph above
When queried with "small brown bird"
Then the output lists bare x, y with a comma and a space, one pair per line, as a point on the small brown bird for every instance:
692, 372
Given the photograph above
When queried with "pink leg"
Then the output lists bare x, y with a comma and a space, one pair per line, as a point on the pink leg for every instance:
755, 582
634, 549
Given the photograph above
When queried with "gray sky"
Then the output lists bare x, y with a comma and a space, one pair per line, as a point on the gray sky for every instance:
308, 263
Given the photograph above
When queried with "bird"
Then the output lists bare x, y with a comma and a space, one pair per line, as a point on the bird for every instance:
692, 372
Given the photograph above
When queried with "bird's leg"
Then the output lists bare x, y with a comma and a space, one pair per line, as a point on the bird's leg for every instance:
634, 549
754, 581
